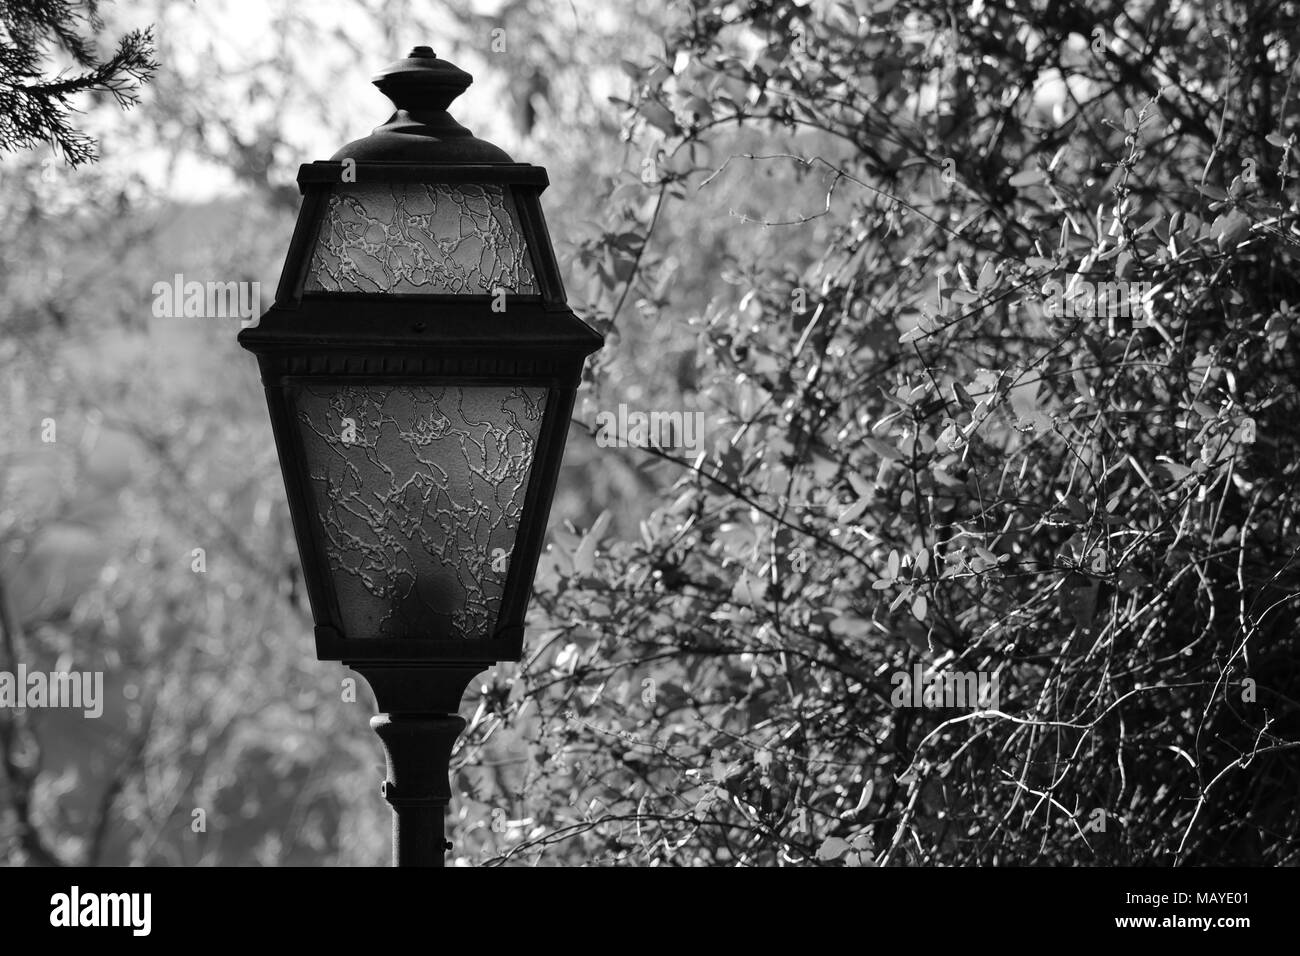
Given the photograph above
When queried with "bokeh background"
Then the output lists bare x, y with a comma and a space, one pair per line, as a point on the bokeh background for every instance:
708, 680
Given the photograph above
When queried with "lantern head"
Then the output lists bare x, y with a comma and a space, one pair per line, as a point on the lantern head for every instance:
420, 366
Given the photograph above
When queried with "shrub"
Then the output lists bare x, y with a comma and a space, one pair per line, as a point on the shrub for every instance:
1017, 399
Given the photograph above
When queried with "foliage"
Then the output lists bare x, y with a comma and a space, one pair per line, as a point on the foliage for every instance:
34, 107
945, 457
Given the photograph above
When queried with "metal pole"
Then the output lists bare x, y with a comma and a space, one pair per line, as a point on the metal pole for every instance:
418, 730
418, 749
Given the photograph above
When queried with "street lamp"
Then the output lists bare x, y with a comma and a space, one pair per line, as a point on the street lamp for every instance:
420, 366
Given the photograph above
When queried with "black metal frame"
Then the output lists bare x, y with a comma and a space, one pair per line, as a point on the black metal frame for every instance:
315, 338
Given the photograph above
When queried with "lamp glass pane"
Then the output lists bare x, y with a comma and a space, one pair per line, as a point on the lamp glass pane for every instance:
418, 492
419, 238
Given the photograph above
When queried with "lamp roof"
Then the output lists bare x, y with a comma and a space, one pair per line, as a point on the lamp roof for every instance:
422, 86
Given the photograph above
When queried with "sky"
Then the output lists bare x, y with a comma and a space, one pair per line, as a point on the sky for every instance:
242, 53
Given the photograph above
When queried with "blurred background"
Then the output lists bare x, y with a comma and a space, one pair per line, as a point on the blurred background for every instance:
215, 701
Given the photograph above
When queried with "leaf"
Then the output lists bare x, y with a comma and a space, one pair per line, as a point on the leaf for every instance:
1214, 192
567, 657
832, 849
1149, 224
1173, 470
1122, 264
892, 564
883, 449
1277, 139
923, 561
855, 511
860, 857
987, 275
868, 789
584, 558
659, 116
861, 487
1228, 228
920, 607
1081, 384
1027, 177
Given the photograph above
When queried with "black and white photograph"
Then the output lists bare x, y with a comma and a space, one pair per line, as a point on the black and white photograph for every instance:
692, 434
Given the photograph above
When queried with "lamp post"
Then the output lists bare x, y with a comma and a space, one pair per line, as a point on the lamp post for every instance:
420, 366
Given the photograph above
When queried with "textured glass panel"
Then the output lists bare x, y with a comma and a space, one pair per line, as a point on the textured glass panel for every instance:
418, 492
419, 238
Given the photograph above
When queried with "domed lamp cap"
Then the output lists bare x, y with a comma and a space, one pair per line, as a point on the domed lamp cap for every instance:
422, 86
421, 82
